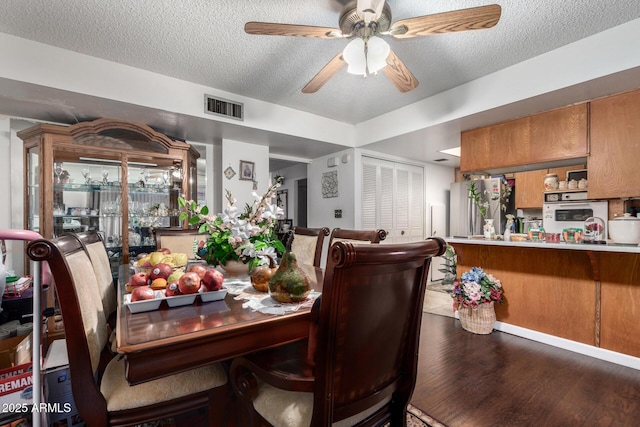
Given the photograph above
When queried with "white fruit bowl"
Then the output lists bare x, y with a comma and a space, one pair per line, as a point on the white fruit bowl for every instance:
625, 230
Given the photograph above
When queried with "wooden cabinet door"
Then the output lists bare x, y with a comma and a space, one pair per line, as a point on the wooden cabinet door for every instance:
474, 150
615, 146
509, 144
530, 189
559, 134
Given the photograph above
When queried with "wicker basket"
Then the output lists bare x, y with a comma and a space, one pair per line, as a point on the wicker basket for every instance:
478, 320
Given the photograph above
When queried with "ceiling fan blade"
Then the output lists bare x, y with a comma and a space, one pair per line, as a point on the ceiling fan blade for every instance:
475, 18
271, 29
325, 74
399, 74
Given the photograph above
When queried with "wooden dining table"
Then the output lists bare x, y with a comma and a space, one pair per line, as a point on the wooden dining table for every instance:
170, 340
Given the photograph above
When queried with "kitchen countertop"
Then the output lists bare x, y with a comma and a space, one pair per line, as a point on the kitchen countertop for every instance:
609, 247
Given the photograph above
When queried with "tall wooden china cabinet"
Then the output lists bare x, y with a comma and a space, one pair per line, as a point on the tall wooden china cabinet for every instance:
122, 179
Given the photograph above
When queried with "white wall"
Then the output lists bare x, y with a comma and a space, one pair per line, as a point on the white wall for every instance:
232, 153
320, 211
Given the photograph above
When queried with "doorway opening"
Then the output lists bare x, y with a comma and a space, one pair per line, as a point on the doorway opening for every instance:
301, 203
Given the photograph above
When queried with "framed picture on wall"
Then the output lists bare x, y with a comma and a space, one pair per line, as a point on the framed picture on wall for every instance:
246, 170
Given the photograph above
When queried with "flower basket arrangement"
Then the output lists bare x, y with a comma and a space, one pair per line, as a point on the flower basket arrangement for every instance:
248, 236
474, 297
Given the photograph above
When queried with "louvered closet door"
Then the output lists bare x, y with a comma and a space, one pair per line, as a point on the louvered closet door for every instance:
393, 199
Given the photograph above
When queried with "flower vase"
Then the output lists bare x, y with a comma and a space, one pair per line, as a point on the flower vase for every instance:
479, 320
235, 268
488, 229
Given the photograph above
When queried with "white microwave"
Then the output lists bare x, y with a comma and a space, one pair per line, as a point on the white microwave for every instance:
557, 216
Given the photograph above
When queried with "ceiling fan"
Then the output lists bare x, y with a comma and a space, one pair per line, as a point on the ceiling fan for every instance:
365, 21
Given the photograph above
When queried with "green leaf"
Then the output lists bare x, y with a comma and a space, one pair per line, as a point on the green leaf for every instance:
194, 220
204, 210
194, 206
204, 228
183, 216
182, 202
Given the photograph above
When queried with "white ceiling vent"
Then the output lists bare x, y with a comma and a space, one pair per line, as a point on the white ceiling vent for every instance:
223, 107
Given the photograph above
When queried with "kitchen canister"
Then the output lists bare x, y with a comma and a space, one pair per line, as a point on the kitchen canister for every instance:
551, 182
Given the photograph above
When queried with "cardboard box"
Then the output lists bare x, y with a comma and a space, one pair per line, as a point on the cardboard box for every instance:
16, 388
61, 410
15, 351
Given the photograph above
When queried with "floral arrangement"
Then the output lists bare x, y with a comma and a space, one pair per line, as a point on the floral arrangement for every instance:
248, 237
481, 199
475, 288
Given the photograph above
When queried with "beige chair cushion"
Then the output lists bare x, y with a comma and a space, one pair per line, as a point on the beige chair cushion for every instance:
102, 268
283, 408
120, 395
182, 244
305, 248
93, 317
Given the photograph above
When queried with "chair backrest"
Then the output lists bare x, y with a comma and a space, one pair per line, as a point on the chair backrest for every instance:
94, 246
369, 327
357, 236
307, 244
82, 311
179, 240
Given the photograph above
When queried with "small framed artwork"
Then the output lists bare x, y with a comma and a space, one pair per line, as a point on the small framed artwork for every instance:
246, 170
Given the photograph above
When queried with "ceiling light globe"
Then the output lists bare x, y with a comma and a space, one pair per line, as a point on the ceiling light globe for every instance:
377, 52
354, 56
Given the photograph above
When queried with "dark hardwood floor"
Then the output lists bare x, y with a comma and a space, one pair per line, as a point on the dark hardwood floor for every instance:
499, 379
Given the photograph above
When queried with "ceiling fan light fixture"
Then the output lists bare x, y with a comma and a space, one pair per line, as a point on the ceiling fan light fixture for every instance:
355, 58
377, 52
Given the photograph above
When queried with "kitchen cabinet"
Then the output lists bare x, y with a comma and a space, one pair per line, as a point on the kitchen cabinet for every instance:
555, 135
615, 146
122, 179
530, 189
559, 134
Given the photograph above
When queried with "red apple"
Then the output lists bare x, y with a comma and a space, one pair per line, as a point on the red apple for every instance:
189, 283
142, 293
137, 280
199, 269
165, 251
212, 280
160, 271
172, 289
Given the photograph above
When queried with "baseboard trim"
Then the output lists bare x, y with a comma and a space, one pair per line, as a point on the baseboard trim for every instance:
576, 347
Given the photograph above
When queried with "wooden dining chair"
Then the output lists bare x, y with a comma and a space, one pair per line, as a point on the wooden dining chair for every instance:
106, 398
179, 240
307, 244
359, 365
357, 236
94, 246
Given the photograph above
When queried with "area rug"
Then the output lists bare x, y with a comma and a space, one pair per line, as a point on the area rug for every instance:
415, 418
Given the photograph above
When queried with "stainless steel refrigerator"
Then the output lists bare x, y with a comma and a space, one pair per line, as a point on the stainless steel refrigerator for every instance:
464, 214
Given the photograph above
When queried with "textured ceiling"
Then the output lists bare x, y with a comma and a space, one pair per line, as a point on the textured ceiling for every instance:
203, 42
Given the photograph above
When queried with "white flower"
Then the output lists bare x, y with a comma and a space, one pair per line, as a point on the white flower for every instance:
272, 211
264, 253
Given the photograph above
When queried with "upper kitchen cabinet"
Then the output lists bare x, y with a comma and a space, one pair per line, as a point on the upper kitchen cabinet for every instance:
615, 146
119, 178
559, 134
551, 136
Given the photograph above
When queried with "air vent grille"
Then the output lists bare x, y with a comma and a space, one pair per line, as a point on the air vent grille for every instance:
223, 107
